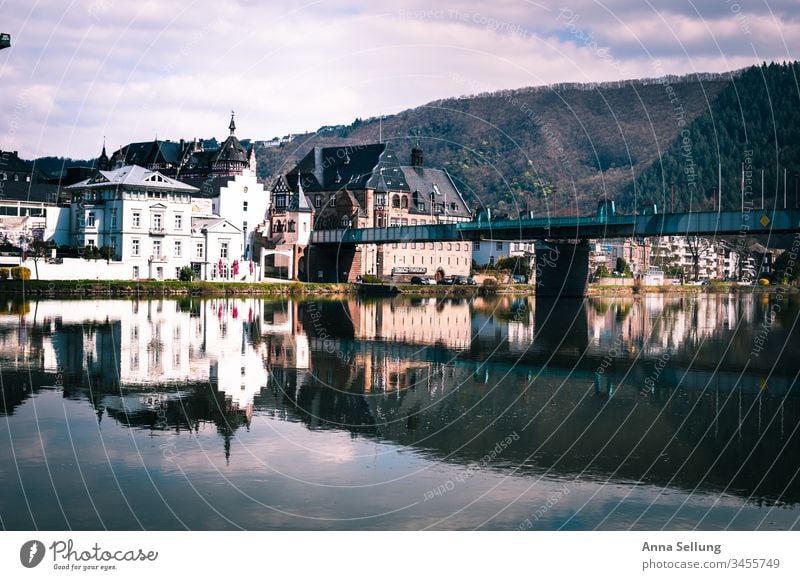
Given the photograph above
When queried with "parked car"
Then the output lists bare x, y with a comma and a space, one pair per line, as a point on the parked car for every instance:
465, 281
423, 280
519, 279
447, 281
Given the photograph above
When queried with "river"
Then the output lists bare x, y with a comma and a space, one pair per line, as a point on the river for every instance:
652, 412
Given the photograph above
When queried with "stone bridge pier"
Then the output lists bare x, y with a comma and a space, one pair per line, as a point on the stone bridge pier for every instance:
562, 268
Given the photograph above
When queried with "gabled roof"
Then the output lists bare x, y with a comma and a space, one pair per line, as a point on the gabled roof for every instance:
214, 224
424, 181
132, 176
148, 152
374, 166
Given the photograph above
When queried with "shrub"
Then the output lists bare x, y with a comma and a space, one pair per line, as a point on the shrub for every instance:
21, 273
370, 279
5, 273
186, 274
489, 286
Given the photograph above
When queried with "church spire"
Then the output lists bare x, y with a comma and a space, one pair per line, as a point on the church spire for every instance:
232, 126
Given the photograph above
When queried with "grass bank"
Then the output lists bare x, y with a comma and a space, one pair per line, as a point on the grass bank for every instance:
163, 288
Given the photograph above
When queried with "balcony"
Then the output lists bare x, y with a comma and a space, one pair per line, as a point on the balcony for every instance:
158, 231
156, 258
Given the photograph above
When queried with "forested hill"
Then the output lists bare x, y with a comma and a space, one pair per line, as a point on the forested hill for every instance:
754, 124
510, 150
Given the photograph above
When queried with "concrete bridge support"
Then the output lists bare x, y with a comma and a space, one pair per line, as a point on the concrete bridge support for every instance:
562, 268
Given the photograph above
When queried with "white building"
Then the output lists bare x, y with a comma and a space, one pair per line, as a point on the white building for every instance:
146, 220
489, 252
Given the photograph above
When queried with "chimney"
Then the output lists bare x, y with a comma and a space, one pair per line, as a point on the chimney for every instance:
318, 164
416, 156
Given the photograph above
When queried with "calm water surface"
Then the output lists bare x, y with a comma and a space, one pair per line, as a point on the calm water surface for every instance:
659, 412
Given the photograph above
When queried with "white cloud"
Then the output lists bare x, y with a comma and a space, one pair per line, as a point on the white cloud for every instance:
129, 70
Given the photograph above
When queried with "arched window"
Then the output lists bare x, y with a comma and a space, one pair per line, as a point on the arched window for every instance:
396, 201
405, 202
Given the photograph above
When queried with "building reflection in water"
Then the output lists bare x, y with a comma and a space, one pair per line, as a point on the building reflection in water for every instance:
445, 376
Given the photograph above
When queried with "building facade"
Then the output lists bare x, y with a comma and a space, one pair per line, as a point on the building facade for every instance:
365, 186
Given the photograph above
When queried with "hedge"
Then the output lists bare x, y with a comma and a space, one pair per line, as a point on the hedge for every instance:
21, 273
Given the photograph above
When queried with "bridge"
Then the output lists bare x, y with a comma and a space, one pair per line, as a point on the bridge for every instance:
564, 249
725, 223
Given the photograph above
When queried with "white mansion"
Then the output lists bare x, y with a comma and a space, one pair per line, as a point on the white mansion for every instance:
155, 225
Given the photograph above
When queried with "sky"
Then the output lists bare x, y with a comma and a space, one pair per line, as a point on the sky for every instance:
82, 71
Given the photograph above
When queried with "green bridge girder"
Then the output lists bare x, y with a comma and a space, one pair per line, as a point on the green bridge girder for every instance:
726, 223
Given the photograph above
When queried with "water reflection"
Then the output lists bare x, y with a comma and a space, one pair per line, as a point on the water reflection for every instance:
661, 390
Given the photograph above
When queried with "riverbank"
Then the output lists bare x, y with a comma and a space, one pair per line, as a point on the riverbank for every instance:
714, 288
153, 288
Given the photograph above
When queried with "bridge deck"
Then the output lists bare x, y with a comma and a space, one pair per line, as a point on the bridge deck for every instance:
725, 223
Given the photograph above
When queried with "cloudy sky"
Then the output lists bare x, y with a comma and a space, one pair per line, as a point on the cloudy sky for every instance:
129, 70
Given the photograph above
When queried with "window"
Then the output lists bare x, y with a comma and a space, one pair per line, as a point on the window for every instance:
396, 201
477, 246
244, 206
223, 249
404, 222
113, 217
458, 247
136, 272
90, 242
198, 252
380, 222
413, 222
290, 228
345, 221
280, 201
421, 206
90, 220
178, 221
244, 226
157, 221
178, 276
405, 202
380, 199
157, 248
137, 219
318, 200
499, 246
134, 247
79, 221
449, 246
178, 248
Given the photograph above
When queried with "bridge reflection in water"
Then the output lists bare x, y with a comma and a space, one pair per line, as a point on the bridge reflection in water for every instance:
663, 390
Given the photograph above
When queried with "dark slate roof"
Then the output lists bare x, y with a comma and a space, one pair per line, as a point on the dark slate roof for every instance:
29, 191
208, 187
424, 181
374, 166
148, 152
230, 150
